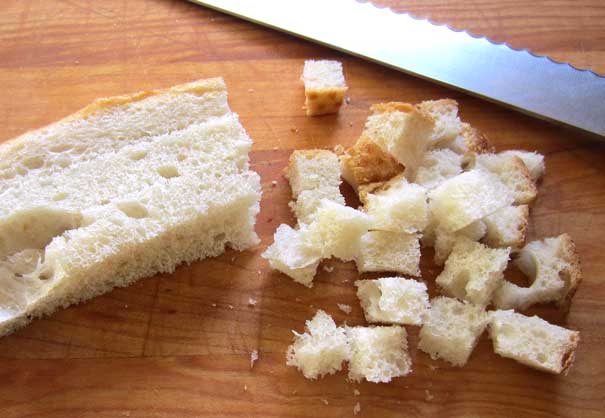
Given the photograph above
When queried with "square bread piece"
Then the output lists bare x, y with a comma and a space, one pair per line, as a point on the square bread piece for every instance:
452, 330
444, 241
325, 86
447, 122
437, 166
289, 255
396, 206
312, 169
533, 161
533, 341
512, 172
308, 201
466, 198
378, 354
389, 251
336, 231
321, 349
393, 300
473, 271
507, 227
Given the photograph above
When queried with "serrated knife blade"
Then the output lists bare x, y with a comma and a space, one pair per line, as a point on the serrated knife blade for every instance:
532, 84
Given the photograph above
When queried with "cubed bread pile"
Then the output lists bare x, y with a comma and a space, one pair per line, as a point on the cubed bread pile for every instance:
425, 179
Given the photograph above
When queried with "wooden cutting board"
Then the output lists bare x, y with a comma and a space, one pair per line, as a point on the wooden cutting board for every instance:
179, 345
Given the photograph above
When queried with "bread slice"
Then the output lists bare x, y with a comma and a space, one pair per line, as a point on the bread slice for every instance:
128, 187
533, 341
325, 86
470, 141
533, 161
553, 268
312, 169
308, 201
389, 251
321, 349
393, 300
452, 330
473, 271
437, 166
396, 206
512, 172
289, 255
378, 354
507, 227
447, 123
444, 241
466, 198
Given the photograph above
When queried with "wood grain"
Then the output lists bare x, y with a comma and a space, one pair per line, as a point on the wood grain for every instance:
179, 345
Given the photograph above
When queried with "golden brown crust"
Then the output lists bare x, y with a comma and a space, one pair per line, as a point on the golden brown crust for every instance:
475, 140
570, 352
572, 274
391, 107
324, 101
377, 187
527, 186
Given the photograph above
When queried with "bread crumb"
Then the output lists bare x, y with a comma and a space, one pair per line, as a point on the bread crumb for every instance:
251, 301
230, 306
245, 388
214, 305
351, 124
356, 408
126, 306
273, 183
232, 259
295, 130
356, 392
345, 308
275, 148
329, 269
297, 299
428, 395
347, 100
325, 401
253, 358
250, 90
294, 392
345, 281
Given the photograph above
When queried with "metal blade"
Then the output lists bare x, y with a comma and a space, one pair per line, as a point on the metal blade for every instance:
532, 84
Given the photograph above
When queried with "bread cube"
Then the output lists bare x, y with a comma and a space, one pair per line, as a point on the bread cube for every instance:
470, 141
466, 198
393, 300
513, 172
312, 169
378, 354
289, 255
336, 231
444, 241
321, 349
325, 86
308, 201
533, 161
533, 341
452, 330
396, 206
437, 166
473, 271
389, 251
553, 269
447, 122
507, 227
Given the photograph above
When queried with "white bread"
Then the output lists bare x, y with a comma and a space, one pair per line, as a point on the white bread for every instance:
389, 251
444, 241
473, 271
396, 206
289, 255
533, 161
393, 300
452, 330
512, 172
305, 206
507, 227
437, 166
325, 86
447, 123
533, 341
470, 141
553, 268
336, 231
378, 354
128, 187
321, 349
466, 198
312, 169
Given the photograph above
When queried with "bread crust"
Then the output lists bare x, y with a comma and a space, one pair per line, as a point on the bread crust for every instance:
475, 140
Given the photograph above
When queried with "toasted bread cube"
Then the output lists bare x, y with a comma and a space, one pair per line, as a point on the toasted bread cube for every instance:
466, 198
308, 201
395, 205
312, 169
445, 241
336, 231
321, 349
470, 141
512, 172
378, 354
533, 161
473, 271
393, 300
389, 251
365, 162
325, 86
533, 341
447, 122
507, 227
553, 268
289, 255
437, 166
452, 330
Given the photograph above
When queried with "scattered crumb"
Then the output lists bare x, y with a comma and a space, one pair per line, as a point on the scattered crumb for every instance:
345, 281
253, 358
294, 392
325, 401
347, 100
275, 148
214, 305
274, 183
294, 130
356, 392
433, 367
230, 306
246, 388
250, 90
351, 124
251, 301
428, 395
258, 272
345, 308
76, 62
356, 408
126, 306
297, 299
329, 269
232, 259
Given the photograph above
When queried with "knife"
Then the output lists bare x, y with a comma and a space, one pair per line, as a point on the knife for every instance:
518, 79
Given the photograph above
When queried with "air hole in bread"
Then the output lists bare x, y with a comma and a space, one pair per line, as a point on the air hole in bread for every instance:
33, 162
60, 148
138, 155
168, 171
133, 209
